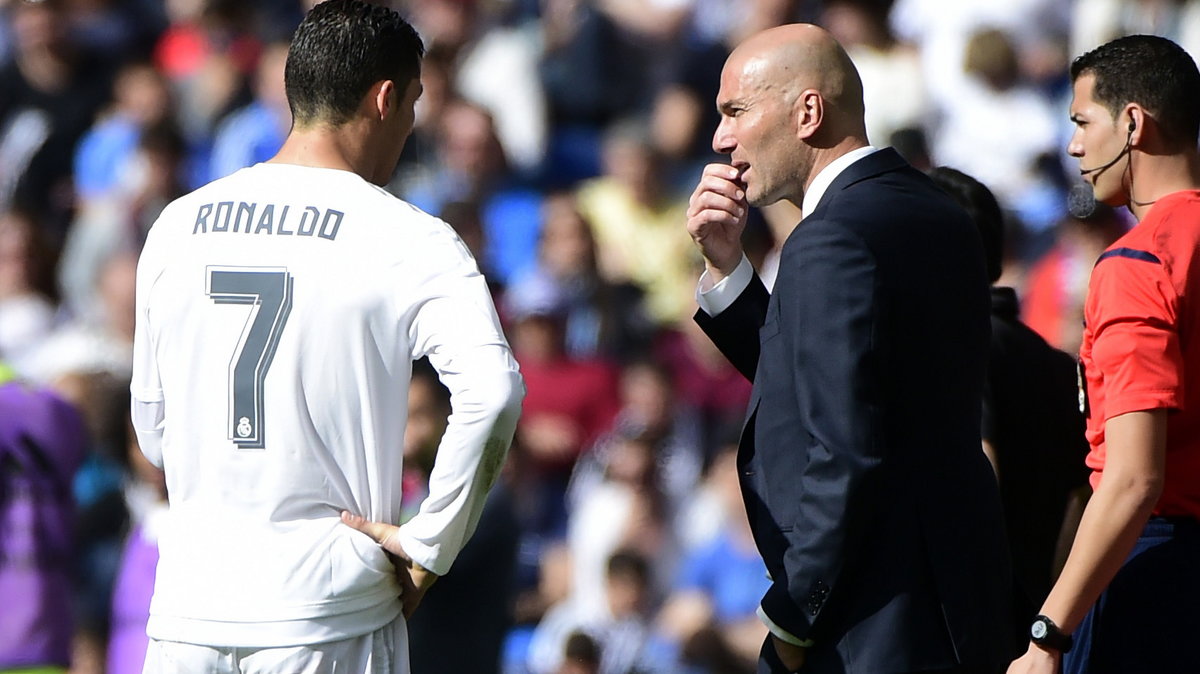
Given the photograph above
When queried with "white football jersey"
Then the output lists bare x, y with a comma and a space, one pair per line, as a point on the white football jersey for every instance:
278, 314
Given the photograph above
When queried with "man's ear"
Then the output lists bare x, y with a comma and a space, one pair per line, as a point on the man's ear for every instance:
1137, 122
809, 112
383, 95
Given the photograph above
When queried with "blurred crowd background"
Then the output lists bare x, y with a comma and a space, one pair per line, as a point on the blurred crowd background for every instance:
561, 139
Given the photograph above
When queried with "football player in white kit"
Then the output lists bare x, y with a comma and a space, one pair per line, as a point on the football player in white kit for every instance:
279, 311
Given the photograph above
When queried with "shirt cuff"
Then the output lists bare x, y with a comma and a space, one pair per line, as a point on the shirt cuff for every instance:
147, 416
780, 633
715, 298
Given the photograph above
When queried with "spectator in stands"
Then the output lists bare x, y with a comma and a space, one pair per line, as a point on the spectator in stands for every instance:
102, 341
472, 168
581, 655
635, 216
569, 402
208, 53
893, 91
255, 132
141, 100
26, 285
145, 496
621, 628
42, 441
118, 220
603, 319
625, 509
710, 613
1032, 425
652, 412
704, 380
998, 126
52, 91
1056, 284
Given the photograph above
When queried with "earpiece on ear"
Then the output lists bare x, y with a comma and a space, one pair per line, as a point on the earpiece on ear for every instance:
1132, 126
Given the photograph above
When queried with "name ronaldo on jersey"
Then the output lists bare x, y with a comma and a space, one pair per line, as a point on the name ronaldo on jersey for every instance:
249, 218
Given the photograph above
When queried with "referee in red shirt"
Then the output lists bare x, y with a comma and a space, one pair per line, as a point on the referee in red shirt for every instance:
1128, 599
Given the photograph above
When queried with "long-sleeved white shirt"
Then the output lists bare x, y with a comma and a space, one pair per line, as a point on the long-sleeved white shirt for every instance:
278, 314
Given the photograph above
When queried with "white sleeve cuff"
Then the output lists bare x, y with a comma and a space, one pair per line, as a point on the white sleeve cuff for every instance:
147, 417
715, 298
780, 633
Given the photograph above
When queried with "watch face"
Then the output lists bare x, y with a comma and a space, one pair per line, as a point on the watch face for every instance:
1038, 630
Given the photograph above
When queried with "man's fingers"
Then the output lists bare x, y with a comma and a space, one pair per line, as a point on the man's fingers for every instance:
709, 227
722, 171
384, 534
719, 186
411, 594
716, 201
721, 221
377, 530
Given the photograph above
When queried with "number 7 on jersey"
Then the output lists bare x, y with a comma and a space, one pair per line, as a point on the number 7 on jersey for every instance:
268, 293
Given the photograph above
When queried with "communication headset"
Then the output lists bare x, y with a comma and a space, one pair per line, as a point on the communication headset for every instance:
1128, 143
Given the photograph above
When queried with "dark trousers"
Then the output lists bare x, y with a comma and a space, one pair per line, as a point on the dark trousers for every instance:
1148, 619
768, 663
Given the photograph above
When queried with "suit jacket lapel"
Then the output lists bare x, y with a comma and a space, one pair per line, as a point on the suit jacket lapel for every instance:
869, 166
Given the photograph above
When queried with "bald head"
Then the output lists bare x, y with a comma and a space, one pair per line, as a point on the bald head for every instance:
791, 103
792, 58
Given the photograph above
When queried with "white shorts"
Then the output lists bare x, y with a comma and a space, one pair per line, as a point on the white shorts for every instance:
384, 651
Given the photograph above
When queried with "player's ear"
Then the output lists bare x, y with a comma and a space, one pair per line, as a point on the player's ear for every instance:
383, 98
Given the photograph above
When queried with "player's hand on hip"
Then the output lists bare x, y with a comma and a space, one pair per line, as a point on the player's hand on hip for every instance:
414, 579
383, 533
716, 217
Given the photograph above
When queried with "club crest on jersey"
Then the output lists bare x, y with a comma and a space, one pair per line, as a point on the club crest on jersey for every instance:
243, 428
251, 218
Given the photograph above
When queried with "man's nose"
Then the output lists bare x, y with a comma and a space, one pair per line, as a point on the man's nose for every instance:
1075, 146
723, 141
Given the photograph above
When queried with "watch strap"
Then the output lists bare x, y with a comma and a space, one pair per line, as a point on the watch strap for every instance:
1044, 632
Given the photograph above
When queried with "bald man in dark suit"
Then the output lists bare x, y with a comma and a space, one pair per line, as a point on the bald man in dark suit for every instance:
873, 506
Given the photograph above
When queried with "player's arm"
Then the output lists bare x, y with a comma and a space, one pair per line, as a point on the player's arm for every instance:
147, 408
1111, 524
456, 326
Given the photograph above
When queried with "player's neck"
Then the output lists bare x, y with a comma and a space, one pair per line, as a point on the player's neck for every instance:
320, 146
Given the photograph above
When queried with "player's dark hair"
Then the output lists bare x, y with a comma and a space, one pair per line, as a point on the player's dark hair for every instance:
339, 51
1153, 72
979, 202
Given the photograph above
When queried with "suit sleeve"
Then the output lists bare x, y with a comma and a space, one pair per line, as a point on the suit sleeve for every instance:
828, 318
735, 330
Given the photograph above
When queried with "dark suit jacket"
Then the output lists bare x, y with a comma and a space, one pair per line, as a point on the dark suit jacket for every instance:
871, 501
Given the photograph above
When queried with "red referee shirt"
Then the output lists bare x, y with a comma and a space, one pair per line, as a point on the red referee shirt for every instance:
1141, 341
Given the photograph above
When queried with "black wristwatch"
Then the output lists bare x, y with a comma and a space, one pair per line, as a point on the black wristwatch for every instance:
1044, 632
